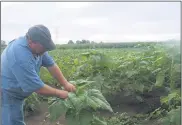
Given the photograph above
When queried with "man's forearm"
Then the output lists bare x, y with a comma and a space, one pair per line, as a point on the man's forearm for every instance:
56, 73
50, 91
47, 90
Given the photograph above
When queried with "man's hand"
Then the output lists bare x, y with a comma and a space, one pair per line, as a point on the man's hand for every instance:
56, 73
69, 87
50, 91
62, 94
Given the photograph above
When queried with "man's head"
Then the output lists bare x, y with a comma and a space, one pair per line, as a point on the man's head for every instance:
39, 39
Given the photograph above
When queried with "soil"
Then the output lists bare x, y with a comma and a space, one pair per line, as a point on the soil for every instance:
40, 117
118, 102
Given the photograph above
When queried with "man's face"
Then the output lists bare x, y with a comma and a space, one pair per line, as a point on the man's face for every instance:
37, 48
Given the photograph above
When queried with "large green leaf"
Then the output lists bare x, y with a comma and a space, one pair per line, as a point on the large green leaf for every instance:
91, 103
72, 118
160, 79
57, 109
83, 118
99, 99
76, 101
96, 93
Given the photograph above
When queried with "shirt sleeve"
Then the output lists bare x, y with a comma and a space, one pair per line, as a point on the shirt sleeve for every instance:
27, 77
47, 60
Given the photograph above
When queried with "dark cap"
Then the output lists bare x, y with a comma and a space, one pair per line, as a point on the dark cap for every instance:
41, 34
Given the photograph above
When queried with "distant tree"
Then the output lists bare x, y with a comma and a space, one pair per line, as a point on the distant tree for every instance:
87, 41
78, 42
83, 41
3, 43
92, 42
70, 42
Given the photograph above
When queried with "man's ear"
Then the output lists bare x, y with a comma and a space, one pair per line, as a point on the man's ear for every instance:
30, 43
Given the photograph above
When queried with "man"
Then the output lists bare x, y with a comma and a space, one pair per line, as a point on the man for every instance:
20, 64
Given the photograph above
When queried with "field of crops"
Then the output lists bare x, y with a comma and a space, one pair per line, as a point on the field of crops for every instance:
118, 86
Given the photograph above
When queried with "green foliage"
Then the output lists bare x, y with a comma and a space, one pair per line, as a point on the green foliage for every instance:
135, 71
86, 44
70, 42
160, 79
57, 109
173, 117
79, 108
122, 119
83, 118
130, 70
172, 100
168, 103
157, 113
46, 76
98, 121
31, 104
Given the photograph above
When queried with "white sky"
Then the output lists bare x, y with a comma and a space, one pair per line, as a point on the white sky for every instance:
98, 21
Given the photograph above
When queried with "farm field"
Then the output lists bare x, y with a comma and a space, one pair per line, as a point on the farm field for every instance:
116, 86
124, 58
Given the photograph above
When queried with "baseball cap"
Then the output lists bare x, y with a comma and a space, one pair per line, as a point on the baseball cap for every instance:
41, 34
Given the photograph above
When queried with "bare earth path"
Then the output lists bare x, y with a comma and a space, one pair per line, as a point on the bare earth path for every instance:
39, 117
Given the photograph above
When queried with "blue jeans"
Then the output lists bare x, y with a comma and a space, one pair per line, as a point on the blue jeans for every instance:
12, 108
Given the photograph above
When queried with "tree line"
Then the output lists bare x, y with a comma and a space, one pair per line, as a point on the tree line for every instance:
82, 42
3, 44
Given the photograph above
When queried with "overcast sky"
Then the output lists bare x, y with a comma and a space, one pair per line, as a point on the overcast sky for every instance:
98, 21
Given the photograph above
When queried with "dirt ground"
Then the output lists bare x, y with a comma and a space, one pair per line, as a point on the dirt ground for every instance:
39, 118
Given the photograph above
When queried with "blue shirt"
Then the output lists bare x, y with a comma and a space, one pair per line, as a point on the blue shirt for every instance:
20, 69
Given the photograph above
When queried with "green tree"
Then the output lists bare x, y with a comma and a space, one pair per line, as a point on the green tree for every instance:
78, 42
3, 43
70, 42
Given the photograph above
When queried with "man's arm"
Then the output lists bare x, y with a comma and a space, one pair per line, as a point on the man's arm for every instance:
29, 80
48, 62
58, 75
50, 91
